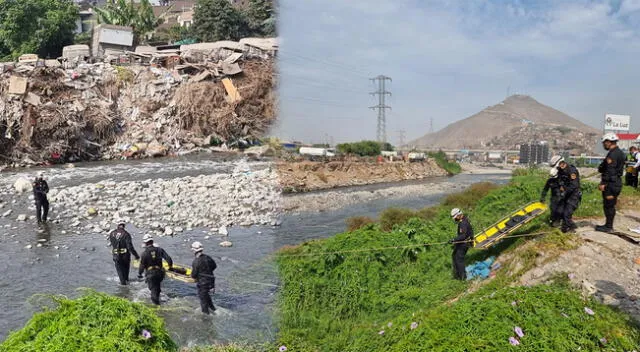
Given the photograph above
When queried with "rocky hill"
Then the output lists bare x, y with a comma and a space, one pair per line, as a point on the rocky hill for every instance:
519, 119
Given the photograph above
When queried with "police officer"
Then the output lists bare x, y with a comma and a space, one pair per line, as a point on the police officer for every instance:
202, 271
461, 243
151, 264
40, 190
632, 170
122, 248
570, 186
611, 169
555, 203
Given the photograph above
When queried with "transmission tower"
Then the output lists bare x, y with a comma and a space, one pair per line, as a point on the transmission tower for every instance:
401, 135
431, 125
381, 107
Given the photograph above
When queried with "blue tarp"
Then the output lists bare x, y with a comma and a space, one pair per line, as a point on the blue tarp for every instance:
480, 270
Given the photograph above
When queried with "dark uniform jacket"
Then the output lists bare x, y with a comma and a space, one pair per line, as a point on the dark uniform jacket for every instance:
151, 259
121, 243
570, 179
202, 269
465, 232
555, 185
40, 190
612, 168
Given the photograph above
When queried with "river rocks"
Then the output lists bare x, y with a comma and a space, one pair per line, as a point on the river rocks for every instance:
246, 195
22, 185
7, 213
226, 244
22, 217
28, 246
92, 211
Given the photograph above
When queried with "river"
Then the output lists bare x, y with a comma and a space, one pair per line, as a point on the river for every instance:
247, 282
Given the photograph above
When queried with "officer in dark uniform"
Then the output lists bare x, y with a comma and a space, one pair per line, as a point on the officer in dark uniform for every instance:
461, 243
611, 169
632, 167
151, 264
570, 180
202, 271
40, 190
122, 248
555, 203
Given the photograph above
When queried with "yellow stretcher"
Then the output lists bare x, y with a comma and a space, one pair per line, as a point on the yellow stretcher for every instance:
507, 225
178, 272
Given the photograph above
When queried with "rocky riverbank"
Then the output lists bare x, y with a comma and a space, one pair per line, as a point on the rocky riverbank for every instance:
308, 176
248, 195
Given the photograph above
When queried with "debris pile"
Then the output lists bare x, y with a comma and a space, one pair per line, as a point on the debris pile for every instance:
207, 94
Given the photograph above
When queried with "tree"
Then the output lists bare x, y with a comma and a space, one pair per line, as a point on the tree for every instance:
42, 27
261, 17
122, 13
172, 34
215, 20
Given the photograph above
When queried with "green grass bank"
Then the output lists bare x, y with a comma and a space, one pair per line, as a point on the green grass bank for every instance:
405, 299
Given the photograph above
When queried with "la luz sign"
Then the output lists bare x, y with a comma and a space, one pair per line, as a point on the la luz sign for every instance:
616, 122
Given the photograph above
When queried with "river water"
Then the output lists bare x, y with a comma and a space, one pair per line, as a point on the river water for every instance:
247, 282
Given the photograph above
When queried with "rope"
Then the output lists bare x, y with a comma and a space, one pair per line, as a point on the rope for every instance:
401, 247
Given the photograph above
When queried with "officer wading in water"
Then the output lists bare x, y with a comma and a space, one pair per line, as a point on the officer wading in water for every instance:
570, 186
40, 190
611, 169
151, 264
461, 243
555, 203
202, 271
122, 249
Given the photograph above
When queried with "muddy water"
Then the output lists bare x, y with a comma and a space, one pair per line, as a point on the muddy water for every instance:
246, 278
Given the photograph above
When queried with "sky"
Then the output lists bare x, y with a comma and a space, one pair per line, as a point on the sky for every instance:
450, 59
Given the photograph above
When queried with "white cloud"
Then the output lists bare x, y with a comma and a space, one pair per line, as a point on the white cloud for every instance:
449, 58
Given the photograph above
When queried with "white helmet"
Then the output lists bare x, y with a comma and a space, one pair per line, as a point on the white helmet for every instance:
610, 137
120, 222
41, 174
455, 212
197, 247
147, 238
553, 172
555, 160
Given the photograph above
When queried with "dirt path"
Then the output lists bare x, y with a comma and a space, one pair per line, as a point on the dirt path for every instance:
603, 265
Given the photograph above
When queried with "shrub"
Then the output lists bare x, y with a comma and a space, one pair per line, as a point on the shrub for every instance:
451, 167
363, 148
395, 216
94, 322
358, 222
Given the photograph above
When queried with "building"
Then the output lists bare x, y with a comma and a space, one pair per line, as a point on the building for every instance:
109, 39
534, 154
626, 140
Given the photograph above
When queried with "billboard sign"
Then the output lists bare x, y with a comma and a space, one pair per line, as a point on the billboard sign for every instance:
617, 122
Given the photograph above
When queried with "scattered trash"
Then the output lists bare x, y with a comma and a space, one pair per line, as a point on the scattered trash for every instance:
413, 325
518, 331
588, 311
480, 270
513, 341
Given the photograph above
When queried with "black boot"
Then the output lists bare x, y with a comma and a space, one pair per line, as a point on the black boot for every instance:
604, 228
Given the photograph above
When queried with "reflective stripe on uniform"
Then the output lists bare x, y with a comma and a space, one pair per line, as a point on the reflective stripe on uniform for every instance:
120, 251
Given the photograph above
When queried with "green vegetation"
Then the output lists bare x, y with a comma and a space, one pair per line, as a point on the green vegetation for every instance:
21, 34
93, 322
451, 167
215, 20
126, 13
363, 148
367, 301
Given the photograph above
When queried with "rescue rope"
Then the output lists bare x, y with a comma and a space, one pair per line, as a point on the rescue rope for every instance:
400, 247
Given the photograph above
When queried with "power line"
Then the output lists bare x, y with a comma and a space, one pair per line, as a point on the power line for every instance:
323, 102
401, 137
325, 62
381, 134
334, 67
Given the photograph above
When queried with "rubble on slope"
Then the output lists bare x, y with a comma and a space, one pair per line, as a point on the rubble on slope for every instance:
210, 94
